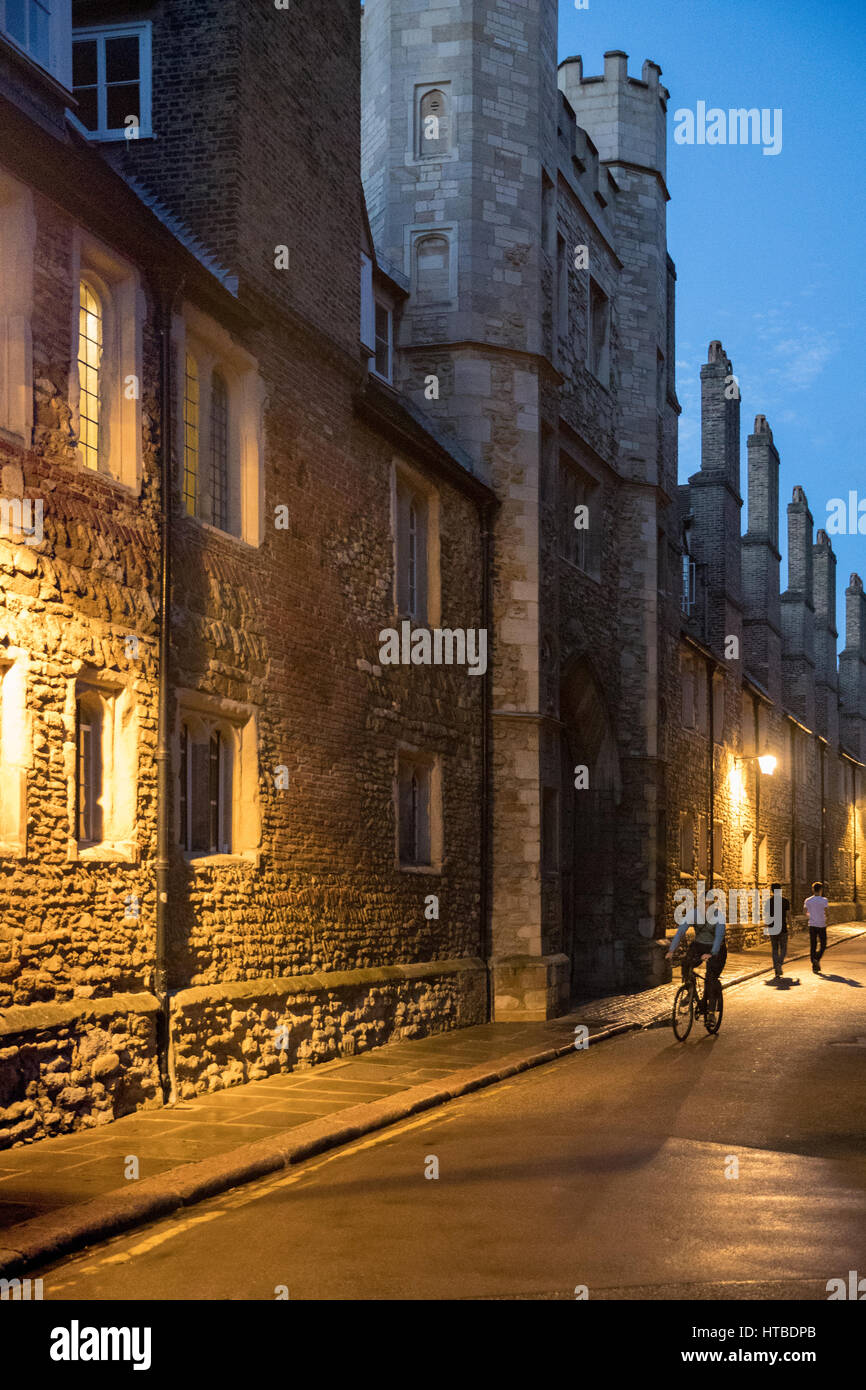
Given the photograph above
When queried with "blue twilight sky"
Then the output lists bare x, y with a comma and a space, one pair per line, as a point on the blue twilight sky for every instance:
769, 249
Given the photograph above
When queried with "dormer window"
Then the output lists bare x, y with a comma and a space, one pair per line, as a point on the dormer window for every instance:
28, 24
111, 80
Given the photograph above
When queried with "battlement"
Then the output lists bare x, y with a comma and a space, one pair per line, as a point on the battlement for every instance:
626, 116
579, 160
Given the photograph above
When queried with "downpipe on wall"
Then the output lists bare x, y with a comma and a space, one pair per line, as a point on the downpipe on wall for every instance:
166, 295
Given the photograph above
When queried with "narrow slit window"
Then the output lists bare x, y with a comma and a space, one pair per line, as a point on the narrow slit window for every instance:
219, 452
88, 782
383, 342
435, 134
414, 788
89, 371
190, 435
205, 804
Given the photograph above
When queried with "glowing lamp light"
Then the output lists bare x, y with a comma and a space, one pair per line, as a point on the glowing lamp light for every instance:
767, 764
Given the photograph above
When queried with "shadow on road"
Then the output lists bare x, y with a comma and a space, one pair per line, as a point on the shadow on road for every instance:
841, 980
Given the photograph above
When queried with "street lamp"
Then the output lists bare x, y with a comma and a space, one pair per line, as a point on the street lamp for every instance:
766, 762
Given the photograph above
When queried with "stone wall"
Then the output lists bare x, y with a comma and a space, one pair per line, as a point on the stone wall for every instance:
76, 1065
224, 1035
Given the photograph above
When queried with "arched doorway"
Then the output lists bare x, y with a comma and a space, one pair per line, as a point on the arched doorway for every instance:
588, 829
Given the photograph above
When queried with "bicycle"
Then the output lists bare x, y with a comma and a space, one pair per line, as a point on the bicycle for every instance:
688, 1001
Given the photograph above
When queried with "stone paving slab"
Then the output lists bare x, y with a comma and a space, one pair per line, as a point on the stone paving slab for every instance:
66, 1192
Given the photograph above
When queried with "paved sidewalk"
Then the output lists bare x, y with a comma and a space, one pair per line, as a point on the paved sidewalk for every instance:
62, 1193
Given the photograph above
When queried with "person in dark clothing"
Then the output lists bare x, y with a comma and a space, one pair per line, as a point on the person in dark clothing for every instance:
778, 939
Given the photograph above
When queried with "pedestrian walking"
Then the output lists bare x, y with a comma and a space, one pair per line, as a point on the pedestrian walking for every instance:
778, 939
816, 910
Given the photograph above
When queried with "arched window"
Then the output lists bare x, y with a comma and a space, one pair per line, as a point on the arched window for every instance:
219, 452
90, 324
432, 269
434, 126
190, 434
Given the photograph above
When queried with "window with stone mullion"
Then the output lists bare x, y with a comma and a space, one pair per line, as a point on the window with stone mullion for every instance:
219, 452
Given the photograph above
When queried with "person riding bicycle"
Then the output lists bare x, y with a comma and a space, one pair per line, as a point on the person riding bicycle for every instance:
709, 947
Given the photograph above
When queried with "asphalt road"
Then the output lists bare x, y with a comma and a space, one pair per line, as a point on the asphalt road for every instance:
728, 1167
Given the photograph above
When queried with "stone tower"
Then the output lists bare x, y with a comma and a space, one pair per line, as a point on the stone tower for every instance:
459, 115
479, 176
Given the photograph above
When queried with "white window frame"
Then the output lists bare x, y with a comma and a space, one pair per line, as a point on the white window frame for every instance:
118, 285
59, 63
17, 251
201, 731
368, 306
100, 32
119, 739
214, 349
238, 725
16, 751
379, 303
404, 478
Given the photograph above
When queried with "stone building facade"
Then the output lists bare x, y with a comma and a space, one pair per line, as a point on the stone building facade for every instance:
323, 883
759, 676
289, 386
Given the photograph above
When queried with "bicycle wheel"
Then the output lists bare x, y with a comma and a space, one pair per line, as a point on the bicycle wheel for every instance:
715, 1006
683, 1012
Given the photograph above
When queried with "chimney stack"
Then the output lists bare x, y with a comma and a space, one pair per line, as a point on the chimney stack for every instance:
798, 613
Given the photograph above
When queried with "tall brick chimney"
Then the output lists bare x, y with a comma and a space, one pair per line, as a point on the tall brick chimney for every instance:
826, 635
761, 561
798, 613
715, 500
852, 669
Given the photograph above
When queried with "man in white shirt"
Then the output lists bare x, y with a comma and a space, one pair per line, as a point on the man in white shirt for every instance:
816, 910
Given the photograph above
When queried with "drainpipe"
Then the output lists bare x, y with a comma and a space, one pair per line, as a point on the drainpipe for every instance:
711, 673
486, 934
854, 827
756, 865
823, 747
793, 885
166, 296
854, 833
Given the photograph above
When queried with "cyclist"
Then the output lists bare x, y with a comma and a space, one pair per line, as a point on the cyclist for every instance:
709, 947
